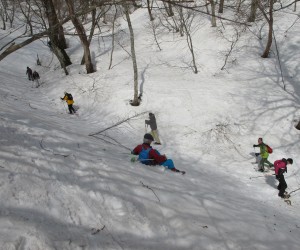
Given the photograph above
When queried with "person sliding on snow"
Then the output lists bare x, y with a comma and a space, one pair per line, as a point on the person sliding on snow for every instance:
149, 156
264, 155
280, 168
69, 99
153, 126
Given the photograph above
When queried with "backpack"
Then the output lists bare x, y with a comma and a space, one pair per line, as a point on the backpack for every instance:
144, 156
70, 97
269, 149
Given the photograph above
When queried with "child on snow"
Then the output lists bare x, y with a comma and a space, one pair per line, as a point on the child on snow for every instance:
280, 168
264, 155
149, 156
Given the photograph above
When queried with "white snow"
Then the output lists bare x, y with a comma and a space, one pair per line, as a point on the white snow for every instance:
63, 189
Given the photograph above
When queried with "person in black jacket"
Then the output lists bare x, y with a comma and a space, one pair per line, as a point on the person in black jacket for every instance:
29, 74
36, 77
153, 126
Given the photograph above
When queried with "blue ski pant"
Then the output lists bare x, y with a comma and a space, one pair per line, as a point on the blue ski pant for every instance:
168, 164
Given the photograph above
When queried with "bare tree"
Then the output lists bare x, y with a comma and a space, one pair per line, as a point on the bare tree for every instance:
221, 6
60, 10
186, 20
26, 11
269, 18
3, 14
213, 13
149, 8
7, 12
54, 24
135, 101
113, 37
252, 15
168, 7
82, 36
95, 20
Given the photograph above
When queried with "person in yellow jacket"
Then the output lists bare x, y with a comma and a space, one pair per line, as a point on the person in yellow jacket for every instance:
264, 155
69, 99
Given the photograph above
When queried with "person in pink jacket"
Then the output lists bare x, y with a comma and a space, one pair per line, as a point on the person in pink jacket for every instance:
280, 168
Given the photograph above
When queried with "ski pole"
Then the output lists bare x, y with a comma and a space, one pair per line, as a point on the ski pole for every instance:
145, 128
65, 107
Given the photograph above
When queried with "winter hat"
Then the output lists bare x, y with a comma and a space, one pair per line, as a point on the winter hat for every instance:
148, 137
290, 160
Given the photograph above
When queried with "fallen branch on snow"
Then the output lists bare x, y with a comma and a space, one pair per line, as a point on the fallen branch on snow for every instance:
150, 189
118, 123
49, 150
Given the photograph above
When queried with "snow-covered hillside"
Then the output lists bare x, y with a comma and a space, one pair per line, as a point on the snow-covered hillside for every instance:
63, 189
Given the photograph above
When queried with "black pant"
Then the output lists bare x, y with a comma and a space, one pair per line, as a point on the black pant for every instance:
71, 109
282, 185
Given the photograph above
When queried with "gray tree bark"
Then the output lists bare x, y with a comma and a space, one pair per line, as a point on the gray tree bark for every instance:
82, 36
135, 101
270, 22
57, 47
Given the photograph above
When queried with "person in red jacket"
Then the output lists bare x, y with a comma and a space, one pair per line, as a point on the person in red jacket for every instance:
149, 156
280, 168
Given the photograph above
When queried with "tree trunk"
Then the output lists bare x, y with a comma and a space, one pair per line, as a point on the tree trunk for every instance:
270, 34
184, 19
61, 35
252, 15
82, 36
171, 13
221, 6
58, 49
135, 101
213, 13
149, 10
3, 21
94, 23
113, 39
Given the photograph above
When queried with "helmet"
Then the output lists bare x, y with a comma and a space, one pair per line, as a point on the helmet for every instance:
148, 137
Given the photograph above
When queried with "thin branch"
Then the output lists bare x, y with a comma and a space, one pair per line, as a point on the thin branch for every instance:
145, 186
97, 230
118, 144
31, 106
294, 191
49, 150
278, 57
118, 123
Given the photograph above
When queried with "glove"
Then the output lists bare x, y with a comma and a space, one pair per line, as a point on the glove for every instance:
62, 99
256, 154
254, 145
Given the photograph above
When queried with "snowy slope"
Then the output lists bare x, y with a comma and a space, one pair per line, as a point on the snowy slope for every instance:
63, 189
